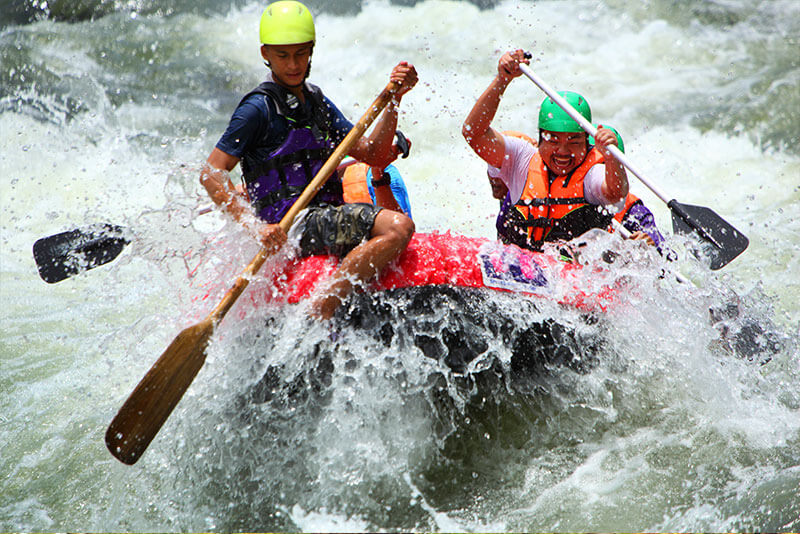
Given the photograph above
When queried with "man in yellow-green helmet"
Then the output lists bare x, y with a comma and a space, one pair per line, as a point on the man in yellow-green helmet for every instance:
282, 132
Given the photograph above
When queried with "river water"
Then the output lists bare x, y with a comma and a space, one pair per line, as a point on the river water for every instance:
682, 423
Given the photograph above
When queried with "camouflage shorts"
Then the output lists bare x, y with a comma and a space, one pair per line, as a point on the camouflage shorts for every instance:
336, 229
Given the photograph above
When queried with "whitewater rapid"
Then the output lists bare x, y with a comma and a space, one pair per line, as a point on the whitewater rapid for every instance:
107, 117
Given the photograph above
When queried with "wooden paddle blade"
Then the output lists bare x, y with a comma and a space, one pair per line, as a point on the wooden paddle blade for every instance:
727, 242
147, 408
69, 253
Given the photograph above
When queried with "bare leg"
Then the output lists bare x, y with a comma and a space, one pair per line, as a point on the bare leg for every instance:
390, 236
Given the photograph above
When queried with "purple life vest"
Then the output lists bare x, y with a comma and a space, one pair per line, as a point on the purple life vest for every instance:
638, 218
273, 185
510, 225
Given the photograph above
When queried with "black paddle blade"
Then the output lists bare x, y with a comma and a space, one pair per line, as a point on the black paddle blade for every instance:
726, 241
66, 254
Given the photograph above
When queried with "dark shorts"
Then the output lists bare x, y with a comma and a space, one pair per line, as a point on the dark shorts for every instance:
336, 229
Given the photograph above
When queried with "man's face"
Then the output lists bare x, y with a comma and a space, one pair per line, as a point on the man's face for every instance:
562, 152
289, 63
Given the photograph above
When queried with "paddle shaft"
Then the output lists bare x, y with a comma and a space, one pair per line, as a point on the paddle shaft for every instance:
151, 402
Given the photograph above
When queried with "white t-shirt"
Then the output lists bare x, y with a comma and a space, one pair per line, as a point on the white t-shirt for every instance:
514, 173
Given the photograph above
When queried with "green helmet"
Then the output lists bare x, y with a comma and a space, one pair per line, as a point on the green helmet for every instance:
286, 22
620, 144
555, 119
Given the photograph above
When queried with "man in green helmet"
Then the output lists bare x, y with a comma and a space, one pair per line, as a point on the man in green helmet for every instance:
282, 132
563, 187
635, 217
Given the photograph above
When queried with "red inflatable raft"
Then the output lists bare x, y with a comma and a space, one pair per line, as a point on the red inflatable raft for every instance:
448, 259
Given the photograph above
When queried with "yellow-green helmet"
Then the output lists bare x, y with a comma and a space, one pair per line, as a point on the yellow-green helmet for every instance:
555, 119
286, 22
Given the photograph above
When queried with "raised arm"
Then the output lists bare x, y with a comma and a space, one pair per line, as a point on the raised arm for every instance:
377, 148
615, 186
486, 141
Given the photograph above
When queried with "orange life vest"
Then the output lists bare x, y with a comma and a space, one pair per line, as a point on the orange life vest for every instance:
560, 205
354, 184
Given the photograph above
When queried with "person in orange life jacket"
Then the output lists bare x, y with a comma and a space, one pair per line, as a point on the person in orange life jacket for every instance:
282, 132
634, 216
560, 189
388, 190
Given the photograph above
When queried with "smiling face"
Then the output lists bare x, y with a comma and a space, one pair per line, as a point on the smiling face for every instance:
289, 63
562, 152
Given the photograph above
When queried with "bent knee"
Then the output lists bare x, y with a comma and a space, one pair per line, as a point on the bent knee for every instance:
402, 229
395, 226
406, 228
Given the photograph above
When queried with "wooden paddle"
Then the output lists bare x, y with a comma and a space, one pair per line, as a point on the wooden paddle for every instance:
149, 405
727, 242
